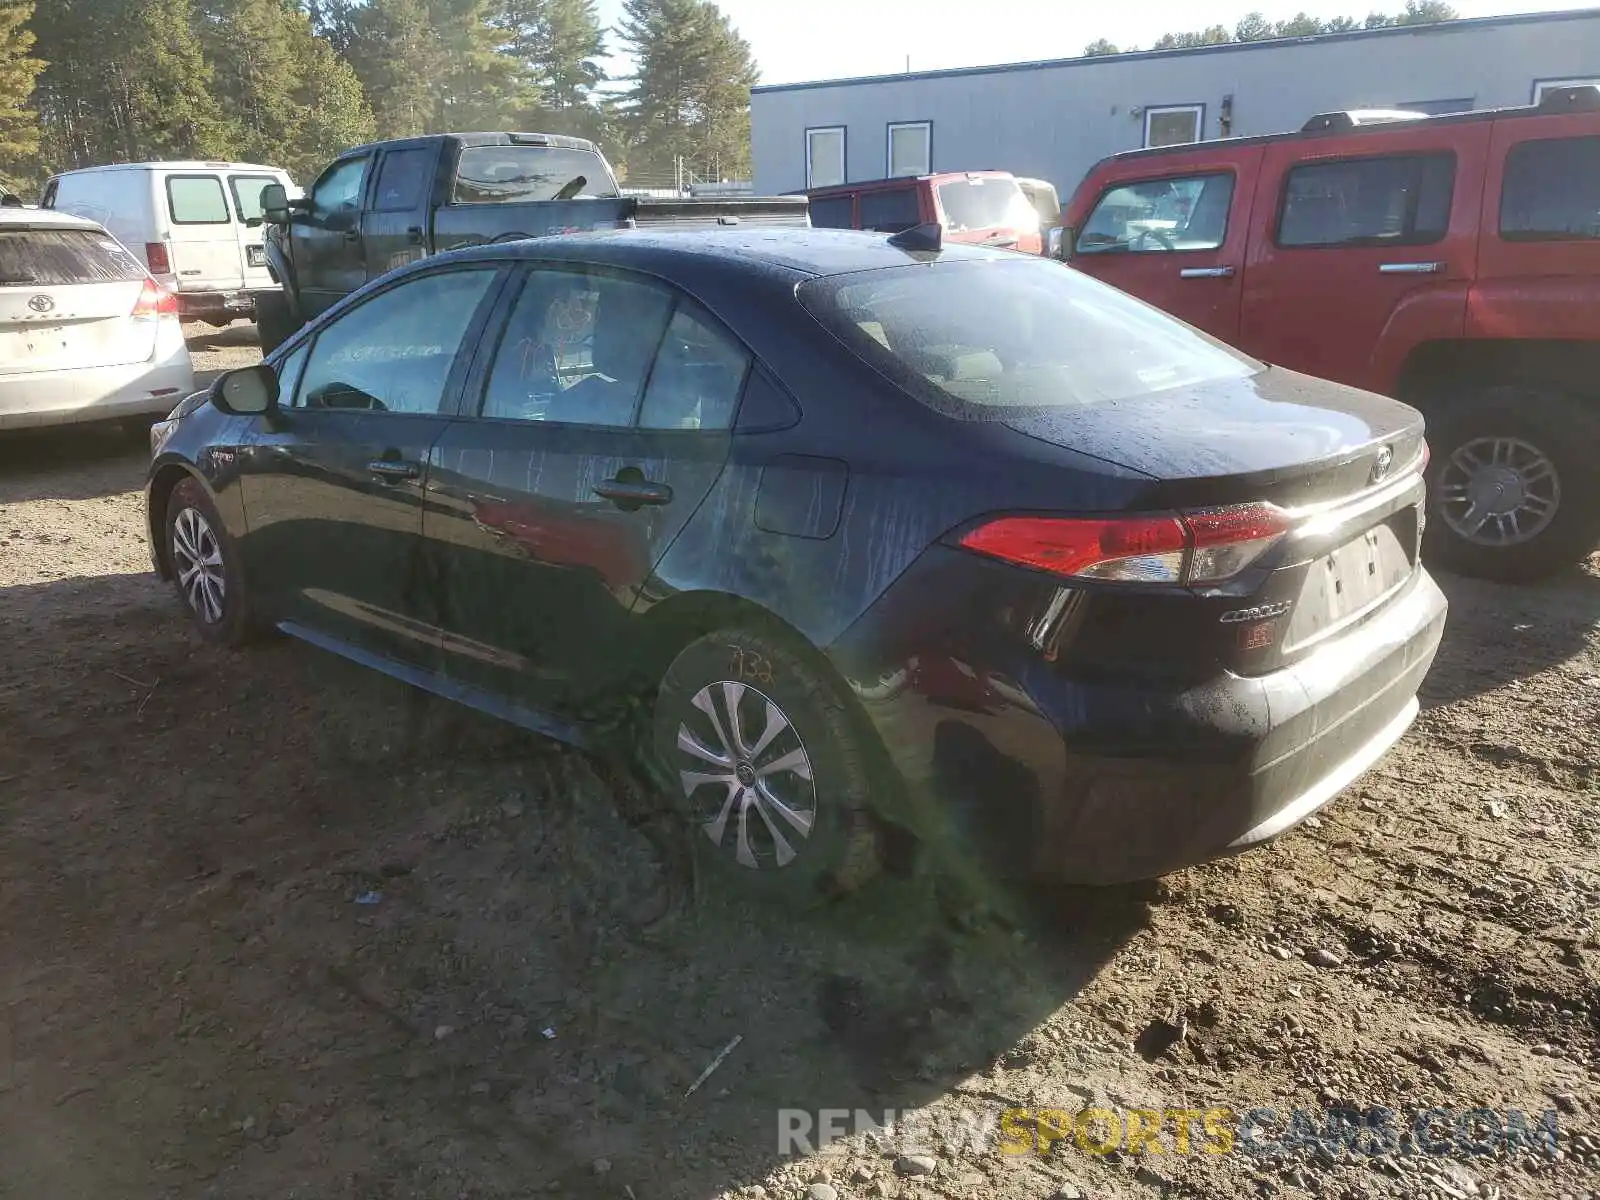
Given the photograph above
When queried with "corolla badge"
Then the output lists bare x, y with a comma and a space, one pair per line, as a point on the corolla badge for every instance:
1260, 612
41, 304
1382, 464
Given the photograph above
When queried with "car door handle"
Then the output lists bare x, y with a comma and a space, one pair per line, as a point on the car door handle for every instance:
394, 468
634, 491
414, 235
1206, 273
1409, 268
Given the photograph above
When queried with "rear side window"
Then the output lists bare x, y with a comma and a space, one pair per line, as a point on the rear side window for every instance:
981, 340
1552, 191
889, 211
1401, 200
50, 257
196, 200
402, 179
246, 191
517, 174
1160, 216
832, 212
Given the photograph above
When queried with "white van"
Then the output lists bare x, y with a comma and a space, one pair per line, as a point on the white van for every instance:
195, 225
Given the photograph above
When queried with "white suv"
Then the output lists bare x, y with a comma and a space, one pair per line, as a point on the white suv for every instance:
85, 333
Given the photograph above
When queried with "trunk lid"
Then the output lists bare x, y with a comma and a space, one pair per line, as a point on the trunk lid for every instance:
67, 297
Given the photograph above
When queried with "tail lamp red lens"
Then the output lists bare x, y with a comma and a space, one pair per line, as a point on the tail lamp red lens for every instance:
157, 259
1206, 546
155, 301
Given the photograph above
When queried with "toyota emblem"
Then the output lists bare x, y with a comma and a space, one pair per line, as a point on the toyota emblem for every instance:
41, 304
1385, 460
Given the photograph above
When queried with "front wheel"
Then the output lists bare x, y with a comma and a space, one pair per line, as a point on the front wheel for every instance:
1512, 489
758, 749
205, 567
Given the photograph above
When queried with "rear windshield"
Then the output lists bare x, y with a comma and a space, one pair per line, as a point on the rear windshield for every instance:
247, 194
986, 202
50, 257
982, 340
513, 174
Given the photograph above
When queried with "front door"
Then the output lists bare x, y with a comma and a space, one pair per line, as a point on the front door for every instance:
1363, 247
394, 227
589, 440
332, 484
1177, 240
326, 238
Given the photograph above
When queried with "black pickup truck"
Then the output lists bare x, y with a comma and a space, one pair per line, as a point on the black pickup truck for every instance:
379, 206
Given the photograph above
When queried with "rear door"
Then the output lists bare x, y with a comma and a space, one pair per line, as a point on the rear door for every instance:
394, 226
245, 192
1176, 236
1353, 246
591, 436
202, 237
67, 298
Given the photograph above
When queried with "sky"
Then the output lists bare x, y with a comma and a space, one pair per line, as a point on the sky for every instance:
829, 39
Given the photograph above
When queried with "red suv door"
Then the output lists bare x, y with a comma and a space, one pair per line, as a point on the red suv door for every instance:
1172, 231
1363, 247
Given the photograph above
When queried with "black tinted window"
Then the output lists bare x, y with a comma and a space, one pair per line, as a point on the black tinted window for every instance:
513, 174
832, 212
58, 256
402, 179
1400, 200
1552, 190
889, 211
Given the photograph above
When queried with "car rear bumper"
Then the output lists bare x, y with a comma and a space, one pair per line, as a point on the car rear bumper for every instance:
1104, 781
98, 393
236, 302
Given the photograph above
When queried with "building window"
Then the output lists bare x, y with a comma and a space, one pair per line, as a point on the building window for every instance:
1541, 86
1552, 191
1398, 200
1160, 215
910, 148
825, 156
1173, 124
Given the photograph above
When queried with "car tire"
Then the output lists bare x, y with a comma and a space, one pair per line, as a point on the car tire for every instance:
798, 746
275, 320
205, 567
1525, 456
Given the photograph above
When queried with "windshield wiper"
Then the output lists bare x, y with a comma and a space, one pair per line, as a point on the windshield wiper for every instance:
571, 188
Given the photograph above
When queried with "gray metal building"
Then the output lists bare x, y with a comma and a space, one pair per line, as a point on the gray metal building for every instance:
1054, 120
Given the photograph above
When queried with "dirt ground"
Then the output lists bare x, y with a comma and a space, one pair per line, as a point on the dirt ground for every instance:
275, 927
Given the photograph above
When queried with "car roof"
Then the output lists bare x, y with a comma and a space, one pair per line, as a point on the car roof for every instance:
45, 218
797, 251
182, 165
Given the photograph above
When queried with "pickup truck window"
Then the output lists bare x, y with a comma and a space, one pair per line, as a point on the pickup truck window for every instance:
339, 189
889, 210
1160, 216
1397, 200
1551, 191
518, 174
986, 202
402, 179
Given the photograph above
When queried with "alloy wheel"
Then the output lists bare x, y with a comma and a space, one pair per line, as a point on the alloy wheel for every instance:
197, 559
755, 797
1498, 491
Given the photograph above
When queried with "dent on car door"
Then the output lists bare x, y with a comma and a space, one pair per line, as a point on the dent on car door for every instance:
332, 483
598, 426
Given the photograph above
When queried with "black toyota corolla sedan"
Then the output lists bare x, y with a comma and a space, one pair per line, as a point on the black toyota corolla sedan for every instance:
879, 536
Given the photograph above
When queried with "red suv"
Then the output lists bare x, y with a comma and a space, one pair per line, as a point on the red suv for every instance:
1453, 262
986, 208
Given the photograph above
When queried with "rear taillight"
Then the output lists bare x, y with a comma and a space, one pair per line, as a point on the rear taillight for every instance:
1200, 547
155, 254
155, 301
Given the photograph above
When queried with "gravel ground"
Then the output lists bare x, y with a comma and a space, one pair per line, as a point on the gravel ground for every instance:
277, 927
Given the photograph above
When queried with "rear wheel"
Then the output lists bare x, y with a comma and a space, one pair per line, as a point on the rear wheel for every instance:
758, 749
1513, 492
275, 320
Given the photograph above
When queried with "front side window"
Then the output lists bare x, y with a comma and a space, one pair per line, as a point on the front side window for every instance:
1160, 216
339, 189
910, 148
196, 200
518, 174
1173, 125
890, 210
825, 157
247, 194
1551, 191
982, 340
1400, 200
577, 349
394, 352
985, 202
833, 212
52, 257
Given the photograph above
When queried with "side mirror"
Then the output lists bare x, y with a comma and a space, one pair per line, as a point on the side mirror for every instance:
1061, 242
275, 204
247, 392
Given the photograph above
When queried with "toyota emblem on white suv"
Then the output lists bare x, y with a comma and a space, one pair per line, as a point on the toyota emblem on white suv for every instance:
41, 304
1385, 460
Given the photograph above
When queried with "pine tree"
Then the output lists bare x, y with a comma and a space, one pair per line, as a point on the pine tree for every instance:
477, 83
19, 71
390, 44
691, 96
557, 45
